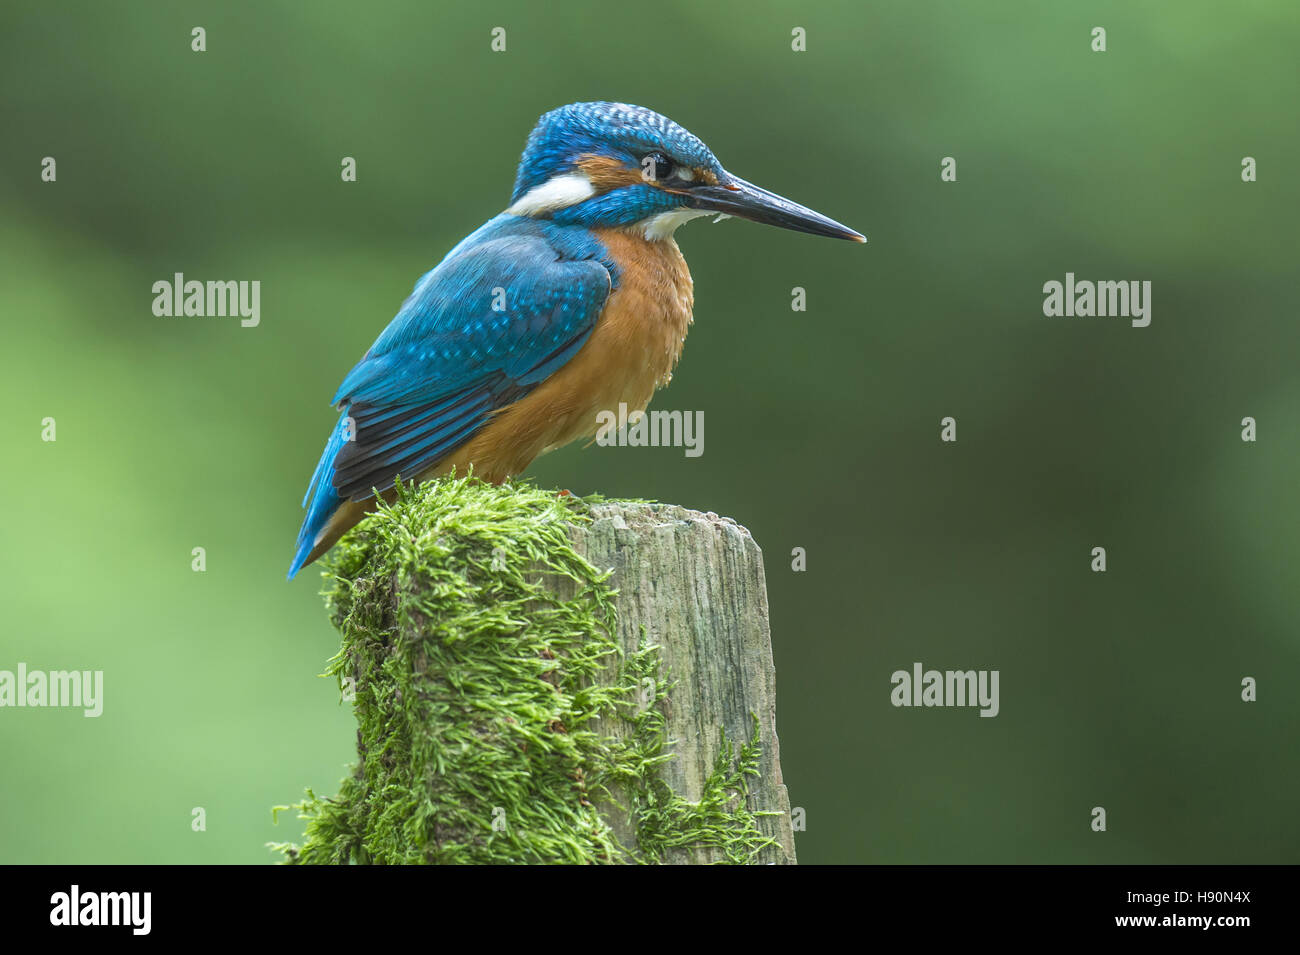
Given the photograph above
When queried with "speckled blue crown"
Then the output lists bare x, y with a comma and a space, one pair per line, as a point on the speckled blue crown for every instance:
608, 129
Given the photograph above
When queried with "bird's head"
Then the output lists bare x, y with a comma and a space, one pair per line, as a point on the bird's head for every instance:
621, 166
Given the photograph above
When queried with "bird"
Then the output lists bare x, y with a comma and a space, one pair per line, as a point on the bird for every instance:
574, 300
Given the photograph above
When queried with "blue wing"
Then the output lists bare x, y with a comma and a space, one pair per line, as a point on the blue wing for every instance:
507, 307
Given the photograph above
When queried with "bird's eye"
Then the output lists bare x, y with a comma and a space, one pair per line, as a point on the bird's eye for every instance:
656, 167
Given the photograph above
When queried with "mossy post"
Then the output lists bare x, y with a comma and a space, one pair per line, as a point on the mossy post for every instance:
544, 679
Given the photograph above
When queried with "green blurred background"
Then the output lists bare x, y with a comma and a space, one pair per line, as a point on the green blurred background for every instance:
1118, 689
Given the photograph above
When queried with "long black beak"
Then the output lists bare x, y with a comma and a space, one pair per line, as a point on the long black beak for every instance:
736, 197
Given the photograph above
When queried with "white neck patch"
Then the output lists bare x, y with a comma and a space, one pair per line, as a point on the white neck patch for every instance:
558, 192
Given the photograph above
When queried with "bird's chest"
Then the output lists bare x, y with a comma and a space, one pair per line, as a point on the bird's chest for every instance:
632, 350
643, 327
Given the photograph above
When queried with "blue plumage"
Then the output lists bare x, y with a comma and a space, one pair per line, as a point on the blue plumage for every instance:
449, 357
320, 500
515, 301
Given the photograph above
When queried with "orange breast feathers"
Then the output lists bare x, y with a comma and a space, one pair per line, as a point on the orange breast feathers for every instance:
631, 352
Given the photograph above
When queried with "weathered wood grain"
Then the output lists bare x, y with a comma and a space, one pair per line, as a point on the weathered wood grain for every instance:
694, 584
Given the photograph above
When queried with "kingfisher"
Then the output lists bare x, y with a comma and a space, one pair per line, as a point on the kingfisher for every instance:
573, 301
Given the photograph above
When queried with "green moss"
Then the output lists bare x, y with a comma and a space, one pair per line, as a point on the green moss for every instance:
498, 721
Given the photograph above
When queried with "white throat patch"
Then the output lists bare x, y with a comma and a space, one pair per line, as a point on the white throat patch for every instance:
664, 224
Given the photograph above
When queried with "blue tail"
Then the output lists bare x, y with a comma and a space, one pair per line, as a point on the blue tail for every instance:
321, 501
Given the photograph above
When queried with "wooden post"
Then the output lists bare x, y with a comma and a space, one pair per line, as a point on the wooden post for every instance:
694, 584
498, 721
